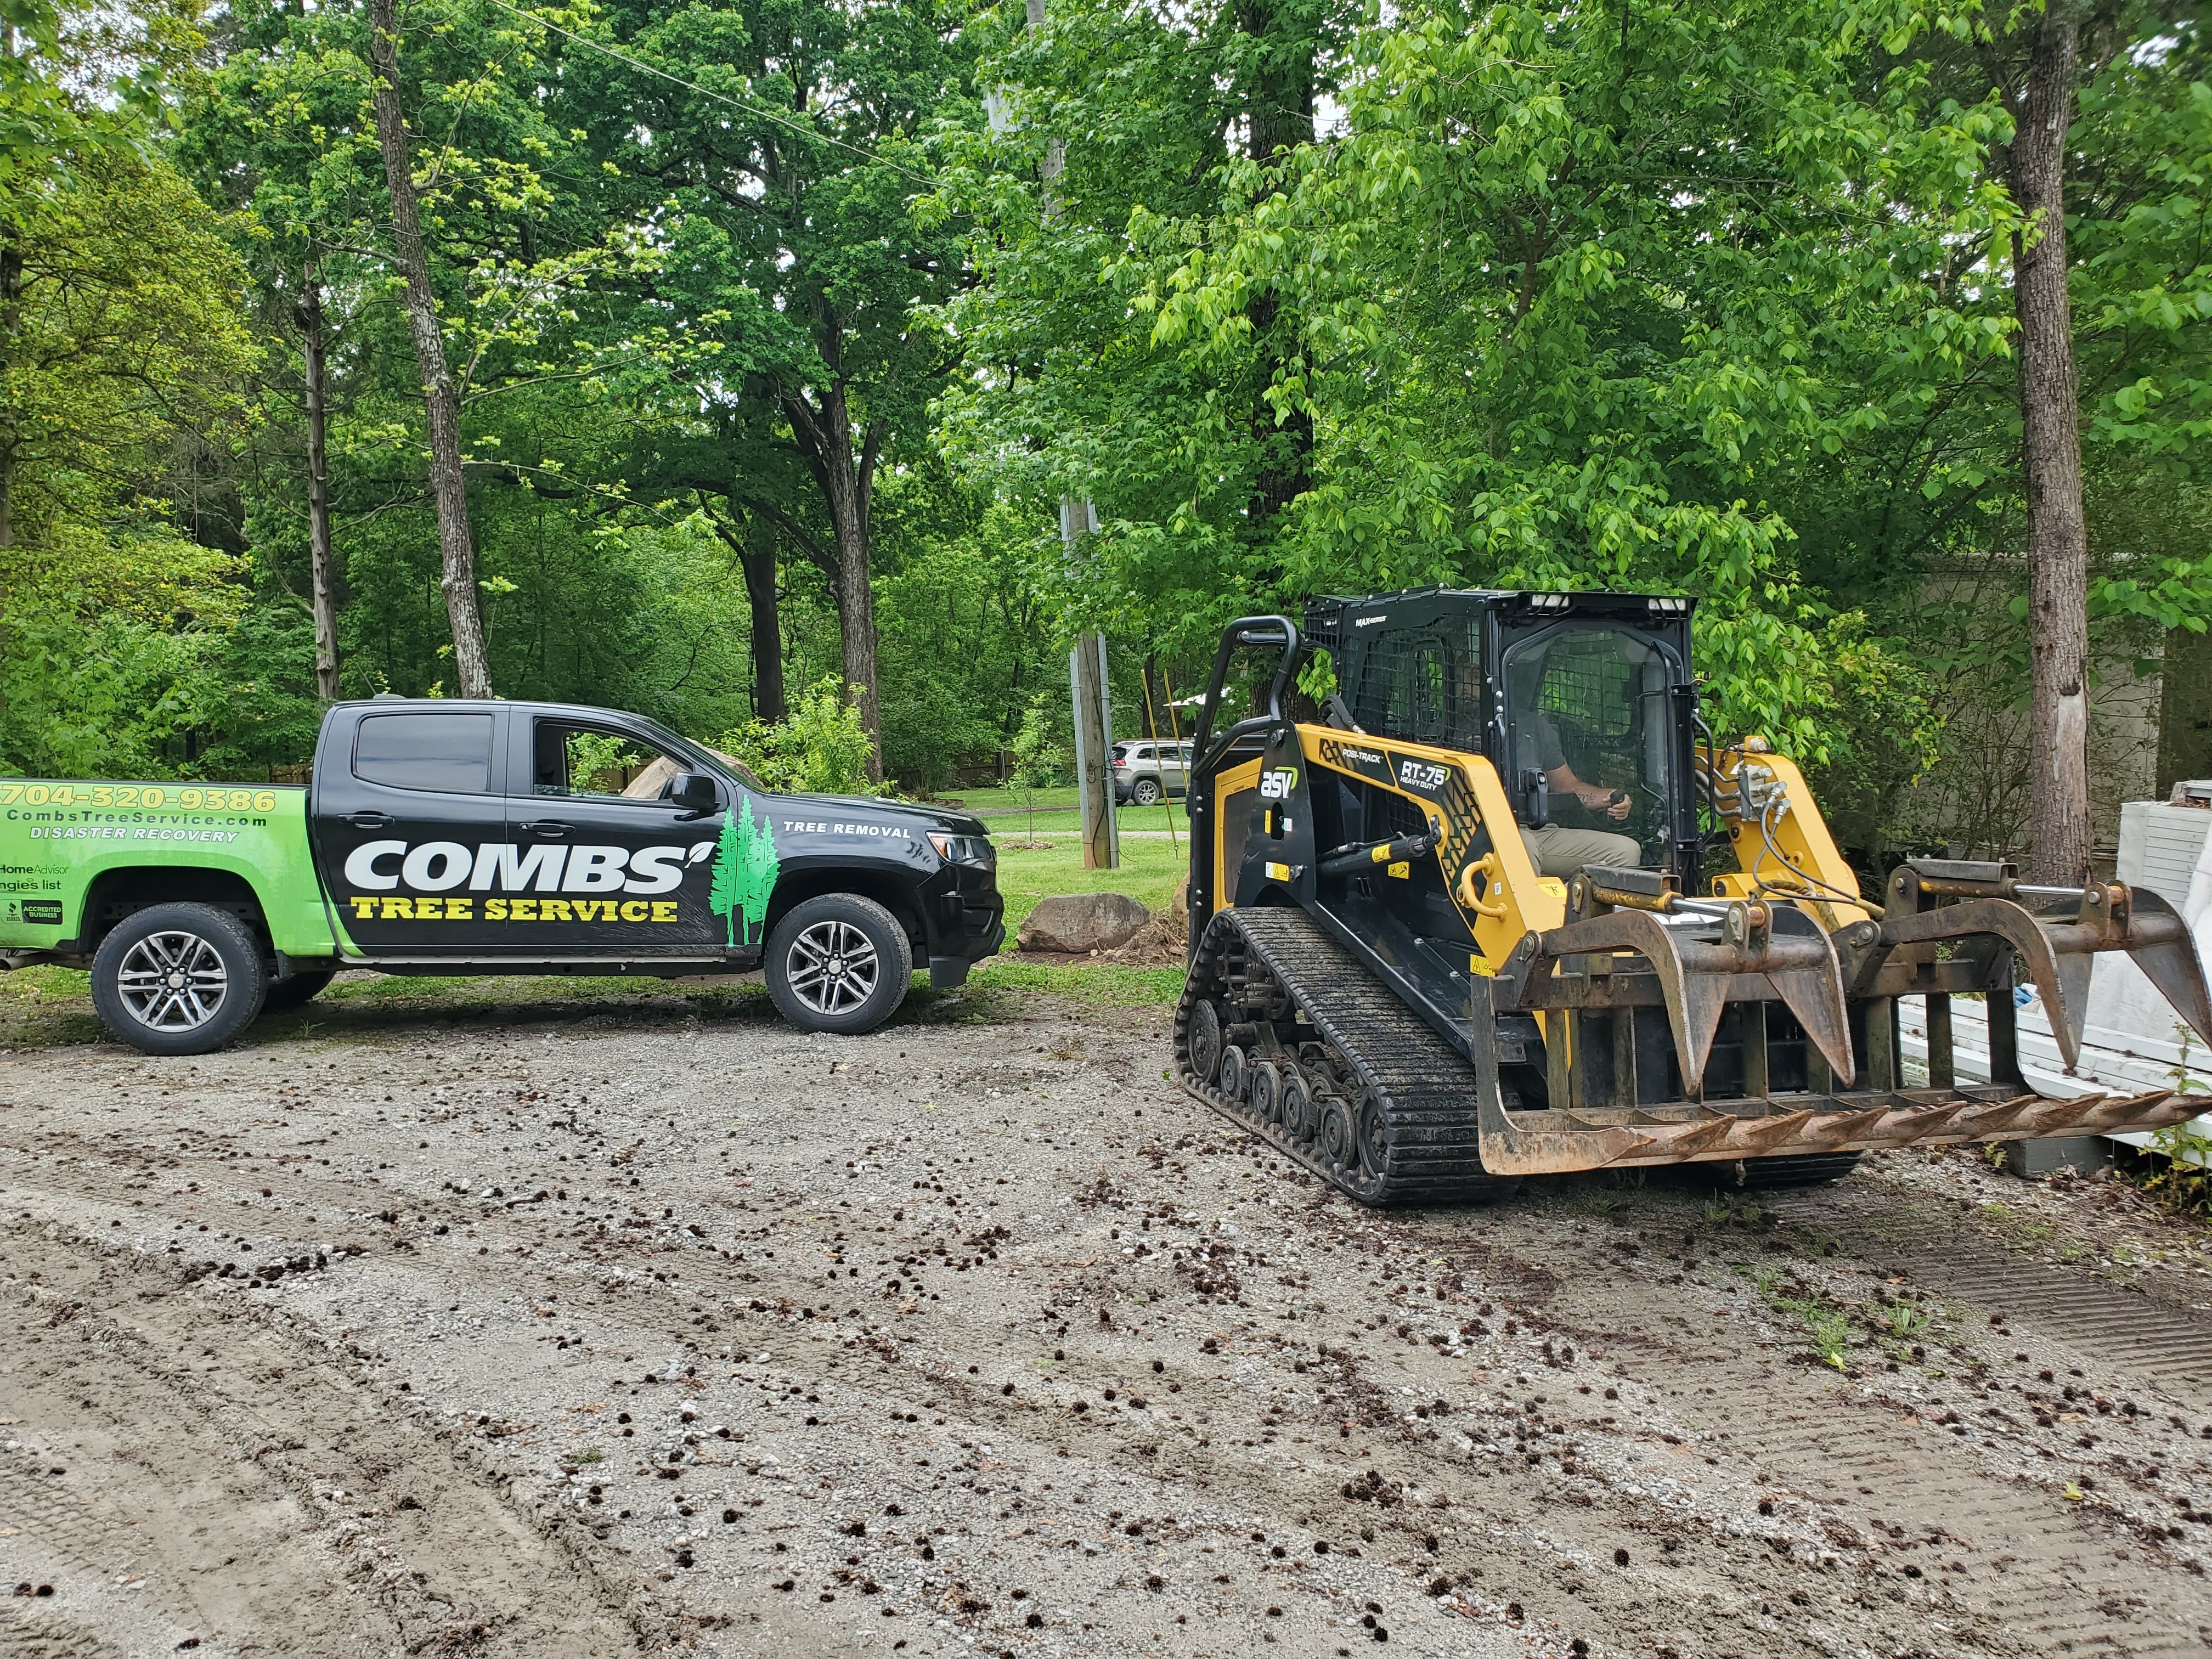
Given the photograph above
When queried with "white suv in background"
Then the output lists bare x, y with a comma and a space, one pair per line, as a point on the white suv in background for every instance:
1145, 771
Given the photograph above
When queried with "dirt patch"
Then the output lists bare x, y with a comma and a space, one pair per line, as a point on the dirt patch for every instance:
448, 1325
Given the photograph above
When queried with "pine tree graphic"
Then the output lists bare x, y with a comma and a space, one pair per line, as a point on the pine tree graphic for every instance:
746, 866
760, 865
722, 889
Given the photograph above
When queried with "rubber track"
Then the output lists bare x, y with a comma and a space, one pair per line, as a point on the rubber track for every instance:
1426, 1088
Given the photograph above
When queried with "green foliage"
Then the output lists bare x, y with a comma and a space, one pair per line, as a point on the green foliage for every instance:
1040, 758
822, 750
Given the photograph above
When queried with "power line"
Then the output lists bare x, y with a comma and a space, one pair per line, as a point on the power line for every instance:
761, 110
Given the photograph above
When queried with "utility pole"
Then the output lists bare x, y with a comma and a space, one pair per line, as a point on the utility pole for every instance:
1086, 663
323, 586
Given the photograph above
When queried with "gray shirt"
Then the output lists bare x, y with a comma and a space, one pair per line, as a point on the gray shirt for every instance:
1538, 733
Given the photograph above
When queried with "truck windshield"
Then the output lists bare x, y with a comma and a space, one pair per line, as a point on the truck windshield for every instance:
1587, 707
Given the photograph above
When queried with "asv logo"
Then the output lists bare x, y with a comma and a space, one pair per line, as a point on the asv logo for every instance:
1277, 785
1421, 774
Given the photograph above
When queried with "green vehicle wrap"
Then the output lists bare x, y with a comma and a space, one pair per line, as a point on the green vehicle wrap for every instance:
58, 837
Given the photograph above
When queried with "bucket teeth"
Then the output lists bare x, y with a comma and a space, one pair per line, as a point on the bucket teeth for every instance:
2134, 1112
1687, 1141
1754, 1137
1903, 1126
1994, 1119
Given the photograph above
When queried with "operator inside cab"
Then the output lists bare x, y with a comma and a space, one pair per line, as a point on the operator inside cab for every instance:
1592, 678
1556, 850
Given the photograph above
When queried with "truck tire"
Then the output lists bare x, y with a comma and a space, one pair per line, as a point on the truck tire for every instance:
1146, 792
177, 979
297, 992
839, 963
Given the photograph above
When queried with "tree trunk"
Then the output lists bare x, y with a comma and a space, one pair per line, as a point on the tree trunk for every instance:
1278, 118
310, 317
441, 398
2059, 824
11, 308
757, 556
847, 485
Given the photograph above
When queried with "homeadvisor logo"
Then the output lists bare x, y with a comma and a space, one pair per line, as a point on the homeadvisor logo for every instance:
438, 866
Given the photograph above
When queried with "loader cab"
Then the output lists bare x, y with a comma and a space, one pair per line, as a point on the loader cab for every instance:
1554, 688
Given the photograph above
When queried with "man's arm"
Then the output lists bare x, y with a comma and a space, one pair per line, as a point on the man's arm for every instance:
1597, 797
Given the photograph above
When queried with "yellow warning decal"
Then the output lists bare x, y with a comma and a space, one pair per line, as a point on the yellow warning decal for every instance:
1555, 887
1480, 965
1401, 869
1279, 872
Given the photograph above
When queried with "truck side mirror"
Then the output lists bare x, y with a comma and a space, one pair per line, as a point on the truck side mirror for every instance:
696, 793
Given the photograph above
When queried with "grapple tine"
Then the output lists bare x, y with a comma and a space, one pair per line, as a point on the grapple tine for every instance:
2159, 943
1817, 1000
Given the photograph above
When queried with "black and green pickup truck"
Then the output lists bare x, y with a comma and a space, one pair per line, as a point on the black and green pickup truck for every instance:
450, 837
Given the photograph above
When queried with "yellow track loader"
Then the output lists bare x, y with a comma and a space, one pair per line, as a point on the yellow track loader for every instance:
1507, 907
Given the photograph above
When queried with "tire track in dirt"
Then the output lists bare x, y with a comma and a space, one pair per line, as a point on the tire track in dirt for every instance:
262, 1476
2105, 1322
1093, 1345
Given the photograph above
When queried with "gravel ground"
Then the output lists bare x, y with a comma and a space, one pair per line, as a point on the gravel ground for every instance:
600, 1328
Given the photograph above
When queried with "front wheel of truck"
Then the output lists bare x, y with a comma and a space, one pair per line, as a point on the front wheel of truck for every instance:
177, 979
839, 963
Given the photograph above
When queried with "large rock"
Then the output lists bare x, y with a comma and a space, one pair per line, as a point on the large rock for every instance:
1082, 922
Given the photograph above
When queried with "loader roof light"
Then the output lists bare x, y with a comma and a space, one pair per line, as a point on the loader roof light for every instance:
1667, 607
1549, 601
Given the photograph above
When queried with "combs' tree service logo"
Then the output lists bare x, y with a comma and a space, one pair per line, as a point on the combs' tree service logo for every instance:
745, 874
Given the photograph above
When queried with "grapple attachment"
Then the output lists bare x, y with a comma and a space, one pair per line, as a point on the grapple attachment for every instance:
1805, 1021
1981, 911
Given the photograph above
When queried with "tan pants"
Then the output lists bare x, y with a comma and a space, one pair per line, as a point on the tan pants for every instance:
1559, 851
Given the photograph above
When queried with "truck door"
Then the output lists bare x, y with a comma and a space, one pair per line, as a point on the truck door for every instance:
400, 811
598, 863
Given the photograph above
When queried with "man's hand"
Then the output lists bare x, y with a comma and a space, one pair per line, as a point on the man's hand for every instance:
1614, 803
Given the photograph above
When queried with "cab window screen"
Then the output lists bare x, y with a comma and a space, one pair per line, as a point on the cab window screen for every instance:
1424, 687
451, 753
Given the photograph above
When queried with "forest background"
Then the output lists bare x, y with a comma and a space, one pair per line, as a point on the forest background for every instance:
693, 358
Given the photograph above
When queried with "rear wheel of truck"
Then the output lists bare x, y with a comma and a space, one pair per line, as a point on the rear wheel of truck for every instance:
177, 979
298, 991
1146, 792
839, 963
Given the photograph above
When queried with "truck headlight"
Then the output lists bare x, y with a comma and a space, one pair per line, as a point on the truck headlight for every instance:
974, 851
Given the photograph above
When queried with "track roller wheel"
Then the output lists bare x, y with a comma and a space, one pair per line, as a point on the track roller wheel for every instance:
1206, 1039
1281, 1031
1235, 1072
1267, 1090
1339, 1147
1374, 1138
1300, 1119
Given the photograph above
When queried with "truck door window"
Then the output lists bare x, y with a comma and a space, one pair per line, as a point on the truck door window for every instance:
450, 753
597, 764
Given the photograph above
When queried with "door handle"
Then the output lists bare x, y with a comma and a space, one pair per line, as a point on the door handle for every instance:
371, 820
548, 827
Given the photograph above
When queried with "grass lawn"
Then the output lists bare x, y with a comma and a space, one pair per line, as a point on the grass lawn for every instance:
1006, 811
1150, 870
